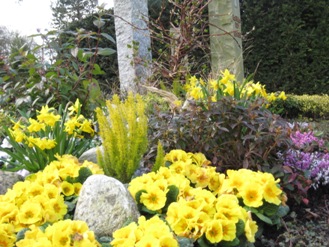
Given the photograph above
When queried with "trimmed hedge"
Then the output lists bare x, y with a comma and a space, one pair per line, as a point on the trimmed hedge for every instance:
314, 107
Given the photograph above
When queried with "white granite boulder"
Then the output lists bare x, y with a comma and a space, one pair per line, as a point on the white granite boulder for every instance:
105, 204
7, 180
90, 155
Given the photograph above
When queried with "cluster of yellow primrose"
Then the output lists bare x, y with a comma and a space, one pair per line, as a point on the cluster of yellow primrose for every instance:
37, 133
226, 85
207, 203
39, 200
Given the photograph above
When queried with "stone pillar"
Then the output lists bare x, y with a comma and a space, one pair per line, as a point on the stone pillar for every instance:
225, 37
133, 43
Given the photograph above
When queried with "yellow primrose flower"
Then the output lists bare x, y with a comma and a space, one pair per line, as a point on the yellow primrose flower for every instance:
216, 182
58, 206
252, 194
51, 191
250, 228
214, 231
148, 240
8, 212
7, 235
35, 189
272, 193
154, 199
177, 155
168, 241
125, 236
77, 188
235, 180
229, 230
199, 159
30, 213
178, 167
202, 178
67, 188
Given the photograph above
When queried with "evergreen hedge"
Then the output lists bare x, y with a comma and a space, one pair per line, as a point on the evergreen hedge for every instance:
287, 45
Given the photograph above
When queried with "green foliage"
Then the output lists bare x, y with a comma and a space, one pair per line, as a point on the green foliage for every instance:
304, 106
4, 121
312, 106
66, 11
284, 43
84, 173
123, 130
230, 134
159, 159
65, 71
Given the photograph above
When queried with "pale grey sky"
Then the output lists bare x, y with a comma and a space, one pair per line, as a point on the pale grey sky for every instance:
29, 15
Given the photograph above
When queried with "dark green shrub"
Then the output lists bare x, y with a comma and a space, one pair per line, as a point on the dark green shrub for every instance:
284, 43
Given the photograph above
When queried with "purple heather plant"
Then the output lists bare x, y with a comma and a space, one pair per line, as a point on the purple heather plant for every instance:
310, 157
304, 139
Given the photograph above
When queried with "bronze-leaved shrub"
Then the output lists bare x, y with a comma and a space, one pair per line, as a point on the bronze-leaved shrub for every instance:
230, 133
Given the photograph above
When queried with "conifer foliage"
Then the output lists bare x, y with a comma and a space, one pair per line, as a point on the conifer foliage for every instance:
123, 130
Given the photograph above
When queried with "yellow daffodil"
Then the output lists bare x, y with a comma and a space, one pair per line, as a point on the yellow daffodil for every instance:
35, 126
227, 76
75, 108
282, 96
196, 93
86, 126
71, 125
18, 135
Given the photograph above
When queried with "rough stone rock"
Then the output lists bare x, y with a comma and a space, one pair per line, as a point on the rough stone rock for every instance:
90, 155
105, 204
7, 180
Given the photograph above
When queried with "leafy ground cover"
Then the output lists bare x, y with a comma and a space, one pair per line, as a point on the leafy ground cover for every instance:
305, 225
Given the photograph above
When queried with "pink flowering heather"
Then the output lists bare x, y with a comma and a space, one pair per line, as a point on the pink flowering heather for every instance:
313, 163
